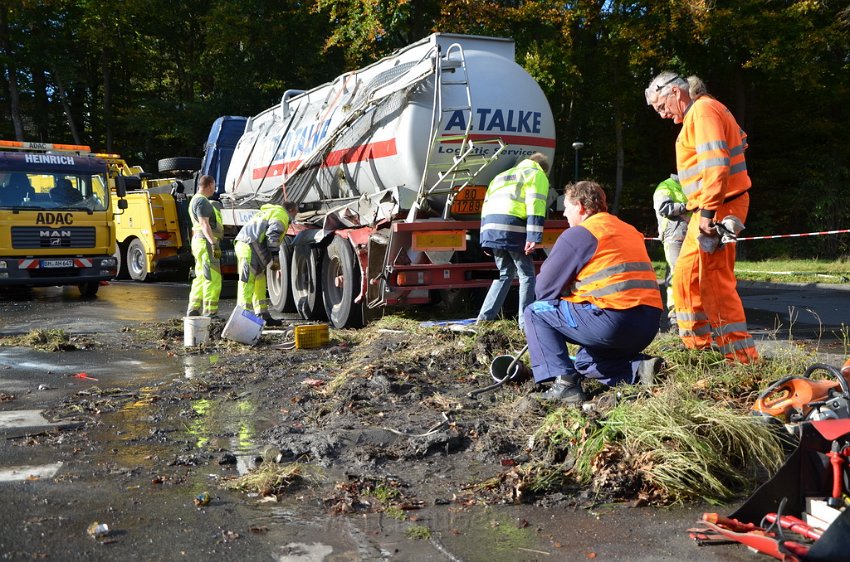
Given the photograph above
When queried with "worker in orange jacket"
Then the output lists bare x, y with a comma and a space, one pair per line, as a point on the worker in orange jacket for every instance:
597, 289
713, 173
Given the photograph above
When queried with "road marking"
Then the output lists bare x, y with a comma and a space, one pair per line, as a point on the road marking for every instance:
15, 419
25, 422
19, 473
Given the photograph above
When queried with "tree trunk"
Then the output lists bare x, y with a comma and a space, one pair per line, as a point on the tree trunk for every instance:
107, 100
42, 106
618, 182
12, 75
67, 107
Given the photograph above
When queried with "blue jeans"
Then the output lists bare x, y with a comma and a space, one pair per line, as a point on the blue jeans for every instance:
510, 263
610, 341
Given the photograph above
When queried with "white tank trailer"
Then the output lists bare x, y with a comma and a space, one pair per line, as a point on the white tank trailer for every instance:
390, 164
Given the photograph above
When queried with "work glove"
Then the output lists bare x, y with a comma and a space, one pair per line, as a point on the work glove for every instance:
217, 253
275, 265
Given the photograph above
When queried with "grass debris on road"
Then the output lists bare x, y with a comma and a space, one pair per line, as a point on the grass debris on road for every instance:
393, 403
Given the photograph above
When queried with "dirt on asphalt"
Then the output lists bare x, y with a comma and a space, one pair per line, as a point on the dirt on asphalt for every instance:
385, 407
378, 421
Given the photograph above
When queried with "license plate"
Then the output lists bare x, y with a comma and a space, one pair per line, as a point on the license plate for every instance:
57, 263
469, 201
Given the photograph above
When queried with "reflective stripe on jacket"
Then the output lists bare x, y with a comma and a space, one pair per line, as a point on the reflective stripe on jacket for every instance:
265, 231
515, 207
620, 274
710, 155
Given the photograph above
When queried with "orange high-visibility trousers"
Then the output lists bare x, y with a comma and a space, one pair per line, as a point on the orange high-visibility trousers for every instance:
708, 308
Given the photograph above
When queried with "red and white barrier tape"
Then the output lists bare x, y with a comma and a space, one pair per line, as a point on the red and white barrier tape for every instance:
794, 235
800, 235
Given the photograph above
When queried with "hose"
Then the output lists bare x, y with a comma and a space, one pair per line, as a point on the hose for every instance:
509, 374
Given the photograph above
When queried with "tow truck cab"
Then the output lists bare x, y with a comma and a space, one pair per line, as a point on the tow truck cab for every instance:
56, 222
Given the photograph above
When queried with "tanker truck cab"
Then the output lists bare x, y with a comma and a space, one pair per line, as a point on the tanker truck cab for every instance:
389, 165
56, 223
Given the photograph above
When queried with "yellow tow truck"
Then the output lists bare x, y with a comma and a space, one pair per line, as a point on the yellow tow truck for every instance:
56, 218
153, 234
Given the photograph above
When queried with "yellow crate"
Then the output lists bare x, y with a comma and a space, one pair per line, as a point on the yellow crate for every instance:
311, 335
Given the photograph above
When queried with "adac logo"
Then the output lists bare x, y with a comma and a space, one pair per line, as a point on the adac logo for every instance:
54, 218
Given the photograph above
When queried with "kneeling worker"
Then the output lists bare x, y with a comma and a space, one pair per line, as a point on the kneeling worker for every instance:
257, 245
597, 289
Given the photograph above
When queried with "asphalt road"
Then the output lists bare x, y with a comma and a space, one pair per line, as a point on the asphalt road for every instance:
801, 308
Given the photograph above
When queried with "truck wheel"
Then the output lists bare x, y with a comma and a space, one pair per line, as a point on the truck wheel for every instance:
137, 261
341, 284
120, 256
179, 164
280, 285
305, 282
89, 289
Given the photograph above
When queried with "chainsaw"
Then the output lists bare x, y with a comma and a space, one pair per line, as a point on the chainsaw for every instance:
795, 399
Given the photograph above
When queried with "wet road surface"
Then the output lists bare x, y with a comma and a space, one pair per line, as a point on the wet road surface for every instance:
112, 482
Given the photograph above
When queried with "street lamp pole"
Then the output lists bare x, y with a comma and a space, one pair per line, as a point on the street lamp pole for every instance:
577, 146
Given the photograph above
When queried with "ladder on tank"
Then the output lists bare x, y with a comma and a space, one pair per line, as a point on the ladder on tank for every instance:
470, 159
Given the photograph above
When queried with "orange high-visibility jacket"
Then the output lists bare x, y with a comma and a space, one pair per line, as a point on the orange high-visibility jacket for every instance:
620, 274
710, 155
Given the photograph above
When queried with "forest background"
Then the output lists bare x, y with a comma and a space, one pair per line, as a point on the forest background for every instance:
146, 79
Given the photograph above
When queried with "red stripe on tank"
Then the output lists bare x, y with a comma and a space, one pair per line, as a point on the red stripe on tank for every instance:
371, 151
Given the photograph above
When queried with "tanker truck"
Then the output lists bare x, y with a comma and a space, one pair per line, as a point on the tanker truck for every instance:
389, 165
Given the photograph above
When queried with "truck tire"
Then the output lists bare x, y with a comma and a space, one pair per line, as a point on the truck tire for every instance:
137, 261
341, 284
280, 284
120, 256
89, 289
306, 291
179, 164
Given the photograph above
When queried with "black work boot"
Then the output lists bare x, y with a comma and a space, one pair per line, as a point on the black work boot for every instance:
271, 321
194, 312
565, 390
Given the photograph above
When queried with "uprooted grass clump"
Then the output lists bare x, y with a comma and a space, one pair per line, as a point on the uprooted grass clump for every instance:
271, 479
405, 350
693, 437
44, 340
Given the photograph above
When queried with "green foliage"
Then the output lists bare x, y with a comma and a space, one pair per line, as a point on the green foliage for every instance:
148, 79
385, 493
418, 532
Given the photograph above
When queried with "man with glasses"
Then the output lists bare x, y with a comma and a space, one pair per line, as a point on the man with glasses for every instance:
713, 173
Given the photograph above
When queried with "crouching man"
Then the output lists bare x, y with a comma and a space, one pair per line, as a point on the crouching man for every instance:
597, 289
257, 246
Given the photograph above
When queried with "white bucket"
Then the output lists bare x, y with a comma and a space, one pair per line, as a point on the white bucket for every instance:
243, 326
196, 330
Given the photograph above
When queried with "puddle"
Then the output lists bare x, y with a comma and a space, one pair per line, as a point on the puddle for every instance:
194, 365
139, 437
